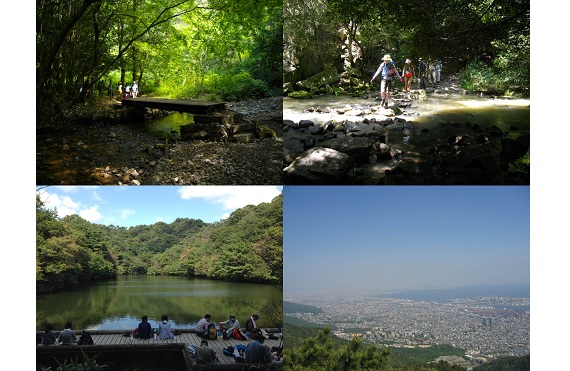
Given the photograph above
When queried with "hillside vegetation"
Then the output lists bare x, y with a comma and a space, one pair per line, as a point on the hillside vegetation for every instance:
246, 247
312, 348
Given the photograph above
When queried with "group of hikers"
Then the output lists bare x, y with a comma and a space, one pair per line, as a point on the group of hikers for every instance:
430, 71
130, 91
122, 92
255, 352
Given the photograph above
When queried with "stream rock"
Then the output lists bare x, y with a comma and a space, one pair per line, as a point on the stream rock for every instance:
319, 166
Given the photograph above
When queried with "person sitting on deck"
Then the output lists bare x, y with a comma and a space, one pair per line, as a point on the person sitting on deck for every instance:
164, 331
250, 325
48, 337
202, 326
67, 336
256, 351
144, 331
204, 354
233, 325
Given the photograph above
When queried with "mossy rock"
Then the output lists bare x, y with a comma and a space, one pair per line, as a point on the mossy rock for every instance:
264, 131
301, 94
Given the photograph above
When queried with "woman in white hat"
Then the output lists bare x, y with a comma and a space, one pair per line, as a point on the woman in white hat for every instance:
409, 75
387, 70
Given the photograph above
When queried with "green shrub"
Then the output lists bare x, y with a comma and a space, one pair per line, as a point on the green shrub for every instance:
480, 77
236, 87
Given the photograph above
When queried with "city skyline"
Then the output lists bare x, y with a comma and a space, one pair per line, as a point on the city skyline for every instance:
357, 239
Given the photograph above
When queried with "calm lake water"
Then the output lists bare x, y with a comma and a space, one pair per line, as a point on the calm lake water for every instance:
120, 304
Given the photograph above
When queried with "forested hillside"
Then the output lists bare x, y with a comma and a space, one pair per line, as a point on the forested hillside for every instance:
248, 246
310, 348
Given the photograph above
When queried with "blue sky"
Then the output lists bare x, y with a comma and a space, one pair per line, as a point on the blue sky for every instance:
383, 238
130, 206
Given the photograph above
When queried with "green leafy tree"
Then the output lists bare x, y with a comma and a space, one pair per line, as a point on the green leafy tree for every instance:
318, 353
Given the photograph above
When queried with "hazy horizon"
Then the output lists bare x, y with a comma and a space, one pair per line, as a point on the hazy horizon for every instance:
356, 239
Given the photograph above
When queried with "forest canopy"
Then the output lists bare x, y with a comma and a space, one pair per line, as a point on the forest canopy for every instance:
246, 247
217, 49
491, 36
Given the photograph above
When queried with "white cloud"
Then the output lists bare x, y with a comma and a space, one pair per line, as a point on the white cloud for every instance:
125, 213
225, 216
91, 214
95, 196
65, 205
232, 197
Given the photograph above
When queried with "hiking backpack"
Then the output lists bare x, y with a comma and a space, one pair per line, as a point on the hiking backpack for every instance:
212, 332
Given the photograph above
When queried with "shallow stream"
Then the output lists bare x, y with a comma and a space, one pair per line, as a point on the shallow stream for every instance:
429, 121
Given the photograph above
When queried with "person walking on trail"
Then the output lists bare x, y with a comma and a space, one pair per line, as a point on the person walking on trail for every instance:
387, 70
409, 75
432, 72
438, 68
135, 89
422, 67
110, 90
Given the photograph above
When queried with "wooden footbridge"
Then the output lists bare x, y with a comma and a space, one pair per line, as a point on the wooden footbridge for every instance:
211, 119
115, 348
187, 105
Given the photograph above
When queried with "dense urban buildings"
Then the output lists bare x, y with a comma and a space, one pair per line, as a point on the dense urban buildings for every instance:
486, 327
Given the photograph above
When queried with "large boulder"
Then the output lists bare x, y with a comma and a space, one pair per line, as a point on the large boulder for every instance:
357, 148
319, 166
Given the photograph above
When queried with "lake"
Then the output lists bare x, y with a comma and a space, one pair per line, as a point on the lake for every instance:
120, 304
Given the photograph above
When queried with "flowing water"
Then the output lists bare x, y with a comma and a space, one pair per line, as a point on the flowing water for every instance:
429, 121
120, 304
429, 112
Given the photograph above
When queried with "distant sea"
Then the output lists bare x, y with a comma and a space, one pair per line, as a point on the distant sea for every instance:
444, 295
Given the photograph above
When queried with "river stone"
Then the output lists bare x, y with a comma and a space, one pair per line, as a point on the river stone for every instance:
357, 148
319, 166
290, 123
306, 123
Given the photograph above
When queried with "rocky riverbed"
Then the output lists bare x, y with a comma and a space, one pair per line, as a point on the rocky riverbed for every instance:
355, 144
104, 152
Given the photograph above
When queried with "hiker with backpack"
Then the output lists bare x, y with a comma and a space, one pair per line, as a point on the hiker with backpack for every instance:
422, 67
388, 71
